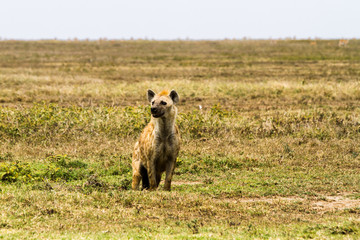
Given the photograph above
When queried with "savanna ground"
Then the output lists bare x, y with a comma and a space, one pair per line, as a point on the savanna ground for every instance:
274, 152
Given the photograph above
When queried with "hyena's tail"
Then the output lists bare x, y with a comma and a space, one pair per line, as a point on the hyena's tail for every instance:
145, 177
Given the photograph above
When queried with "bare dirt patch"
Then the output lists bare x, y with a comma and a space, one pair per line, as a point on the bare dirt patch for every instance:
330, 203
334, 203
186, 183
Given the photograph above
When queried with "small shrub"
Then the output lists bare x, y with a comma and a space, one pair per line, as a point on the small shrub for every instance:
13, 172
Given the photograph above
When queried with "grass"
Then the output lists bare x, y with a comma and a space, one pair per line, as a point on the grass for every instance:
273, 151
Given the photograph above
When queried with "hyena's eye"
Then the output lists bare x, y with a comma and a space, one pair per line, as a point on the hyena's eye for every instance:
163, 103
152, 102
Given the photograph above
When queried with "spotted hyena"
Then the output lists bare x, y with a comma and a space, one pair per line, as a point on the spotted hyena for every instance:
159, 143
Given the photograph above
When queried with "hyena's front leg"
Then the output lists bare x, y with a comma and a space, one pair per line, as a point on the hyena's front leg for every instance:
158, 178
170, 166
152, 174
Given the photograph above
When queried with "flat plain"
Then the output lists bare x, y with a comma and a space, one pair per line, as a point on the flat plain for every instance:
270, 139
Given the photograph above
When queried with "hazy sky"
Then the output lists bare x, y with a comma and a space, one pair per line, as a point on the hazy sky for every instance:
174, 19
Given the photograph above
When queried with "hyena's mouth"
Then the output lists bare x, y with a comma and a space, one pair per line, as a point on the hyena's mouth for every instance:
157, 115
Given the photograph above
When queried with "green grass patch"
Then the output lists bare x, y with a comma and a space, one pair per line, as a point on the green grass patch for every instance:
270, 139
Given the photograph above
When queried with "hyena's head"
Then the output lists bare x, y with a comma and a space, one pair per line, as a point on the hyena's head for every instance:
162, 104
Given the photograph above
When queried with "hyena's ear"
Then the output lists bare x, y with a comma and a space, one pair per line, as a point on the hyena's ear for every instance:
150, 94
174, 96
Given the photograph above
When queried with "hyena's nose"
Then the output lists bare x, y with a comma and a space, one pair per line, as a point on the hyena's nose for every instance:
154, 110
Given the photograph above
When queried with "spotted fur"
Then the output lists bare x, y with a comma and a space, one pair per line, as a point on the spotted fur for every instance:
159, 143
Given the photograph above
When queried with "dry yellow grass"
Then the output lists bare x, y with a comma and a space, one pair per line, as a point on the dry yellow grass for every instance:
274, 151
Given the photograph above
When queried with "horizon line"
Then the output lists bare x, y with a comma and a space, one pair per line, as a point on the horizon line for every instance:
74, 39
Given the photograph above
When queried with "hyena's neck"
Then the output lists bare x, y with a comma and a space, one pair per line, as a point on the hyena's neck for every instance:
165, 126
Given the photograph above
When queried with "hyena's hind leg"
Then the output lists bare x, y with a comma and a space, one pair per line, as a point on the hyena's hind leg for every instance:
145, 177
136, 178
136, 167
